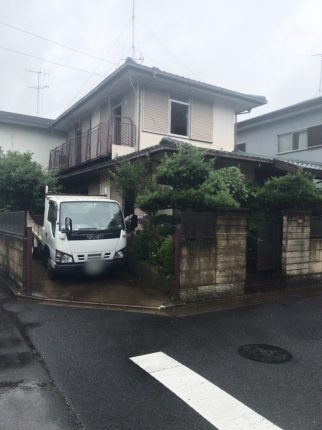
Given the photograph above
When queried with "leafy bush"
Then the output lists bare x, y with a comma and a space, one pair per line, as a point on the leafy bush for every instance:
156, 250
186, 180
293, 191
131, 179
229, 180
165, 256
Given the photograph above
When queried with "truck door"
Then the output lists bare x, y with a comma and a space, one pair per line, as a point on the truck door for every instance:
50, 228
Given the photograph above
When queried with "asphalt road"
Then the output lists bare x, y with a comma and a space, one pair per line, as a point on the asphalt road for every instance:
87, 354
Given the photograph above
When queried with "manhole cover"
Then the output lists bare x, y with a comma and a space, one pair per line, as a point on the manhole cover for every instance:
264, 353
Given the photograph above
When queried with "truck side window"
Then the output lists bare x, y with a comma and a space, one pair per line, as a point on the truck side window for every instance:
52, 216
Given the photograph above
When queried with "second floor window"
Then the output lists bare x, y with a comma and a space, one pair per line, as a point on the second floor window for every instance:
179, 118
292, 141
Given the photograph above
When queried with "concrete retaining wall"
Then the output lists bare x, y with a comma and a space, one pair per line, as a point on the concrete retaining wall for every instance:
12, 260
216, 266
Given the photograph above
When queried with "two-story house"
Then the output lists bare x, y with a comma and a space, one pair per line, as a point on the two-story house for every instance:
131, 111
292, 133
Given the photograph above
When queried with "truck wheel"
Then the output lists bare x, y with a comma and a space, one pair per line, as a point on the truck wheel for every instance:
50, 271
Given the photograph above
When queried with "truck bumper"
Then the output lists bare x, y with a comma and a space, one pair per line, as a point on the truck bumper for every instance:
74, 268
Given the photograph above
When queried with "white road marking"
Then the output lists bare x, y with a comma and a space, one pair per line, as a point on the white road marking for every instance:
215, 405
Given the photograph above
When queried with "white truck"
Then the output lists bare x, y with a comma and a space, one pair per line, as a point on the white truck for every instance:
79, 233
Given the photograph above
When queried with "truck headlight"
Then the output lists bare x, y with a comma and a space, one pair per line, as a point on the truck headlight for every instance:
61, 257
118, 255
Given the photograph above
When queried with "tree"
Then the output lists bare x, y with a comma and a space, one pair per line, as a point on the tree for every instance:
131, 179
293, 191
186, 180
23, 182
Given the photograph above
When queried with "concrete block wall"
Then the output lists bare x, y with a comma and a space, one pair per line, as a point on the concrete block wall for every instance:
301, 254
296, 244
12, 258
217, 266
315, 266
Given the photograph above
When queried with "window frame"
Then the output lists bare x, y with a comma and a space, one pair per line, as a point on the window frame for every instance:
51, 221
292, 133
188, 104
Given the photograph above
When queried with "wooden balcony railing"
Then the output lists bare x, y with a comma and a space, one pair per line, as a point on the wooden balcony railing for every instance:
93, 144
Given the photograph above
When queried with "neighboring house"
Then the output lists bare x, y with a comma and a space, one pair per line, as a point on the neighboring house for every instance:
132, 110
293, 133
28, 133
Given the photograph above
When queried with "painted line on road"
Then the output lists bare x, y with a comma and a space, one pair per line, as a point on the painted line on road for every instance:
211, 402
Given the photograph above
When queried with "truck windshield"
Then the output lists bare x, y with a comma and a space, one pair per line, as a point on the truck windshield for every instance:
92, 215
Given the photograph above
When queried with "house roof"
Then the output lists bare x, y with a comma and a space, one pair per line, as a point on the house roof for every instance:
168, 145
289, 111
130, 65
25, 120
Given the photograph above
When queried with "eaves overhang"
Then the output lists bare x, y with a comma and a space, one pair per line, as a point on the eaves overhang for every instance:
297, 109
243, 101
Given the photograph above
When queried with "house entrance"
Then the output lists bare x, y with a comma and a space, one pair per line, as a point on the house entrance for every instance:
117, 113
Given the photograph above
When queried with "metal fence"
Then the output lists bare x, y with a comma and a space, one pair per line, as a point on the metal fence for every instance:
13, 223
93, 144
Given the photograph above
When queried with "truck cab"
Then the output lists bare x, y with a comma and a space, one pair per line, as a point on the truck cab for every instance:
81, 233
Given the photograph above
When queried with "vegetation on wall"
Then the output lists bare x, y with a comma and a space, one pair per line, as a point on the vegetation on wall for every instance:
293, 191
23, 182
131, 179
186, 180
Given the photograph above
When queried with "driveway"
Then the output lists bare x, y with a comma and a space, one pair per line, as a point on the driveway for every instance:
112, 288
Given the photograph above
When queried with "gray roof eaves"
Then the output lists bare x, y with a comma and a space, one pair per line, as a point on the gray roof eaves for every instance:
25, 120
130, 64
280, 114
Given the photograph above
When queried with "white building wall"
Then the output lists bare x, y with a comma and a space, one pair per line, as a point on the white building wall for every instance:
35, 140
262, 138
223, 132
211, 124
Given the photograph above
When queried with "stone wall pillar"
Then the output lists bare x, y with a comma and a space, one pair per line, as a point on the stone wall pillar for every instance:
215, 266
296, 244
231, 248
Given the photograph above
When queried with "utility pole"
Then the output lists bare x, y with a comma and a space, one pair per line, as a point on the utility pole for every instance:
320, 79
40, 74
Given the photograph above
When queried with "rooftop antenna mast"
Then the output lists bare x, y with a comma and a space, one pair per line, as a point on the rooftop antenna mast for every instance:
133, 49
320, 79
133, 29
40, 74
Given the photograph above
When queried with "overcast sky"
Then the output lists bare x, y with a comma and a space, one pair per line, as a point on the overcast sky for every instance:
253, 46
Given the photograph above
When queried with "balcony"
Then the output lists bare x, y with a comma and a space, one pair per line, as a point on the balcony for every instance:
93, 144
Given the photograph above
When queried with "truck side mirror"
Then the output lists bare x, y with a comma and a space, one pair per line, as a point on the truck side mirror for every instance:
68, 227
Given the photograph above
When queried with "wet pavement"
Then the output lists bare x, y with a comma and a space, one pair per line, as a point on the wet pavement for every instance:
112, 288
29, 399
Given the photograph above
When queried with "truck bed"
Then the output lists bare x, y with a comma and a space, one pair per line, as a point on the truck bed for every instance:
36, 223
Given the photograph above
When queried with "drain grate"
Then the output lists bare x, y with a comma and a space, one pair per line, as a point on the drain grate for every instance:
264, 353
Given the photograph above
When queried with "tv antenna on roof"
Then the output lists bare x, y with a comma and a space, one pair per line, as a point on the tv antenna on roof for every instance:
133, 49
40, 74
320, 79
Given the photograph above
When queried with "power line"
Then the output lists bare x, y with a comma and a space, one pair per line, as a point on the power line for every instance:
165, 47
57, 43
48, 61
96, 68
